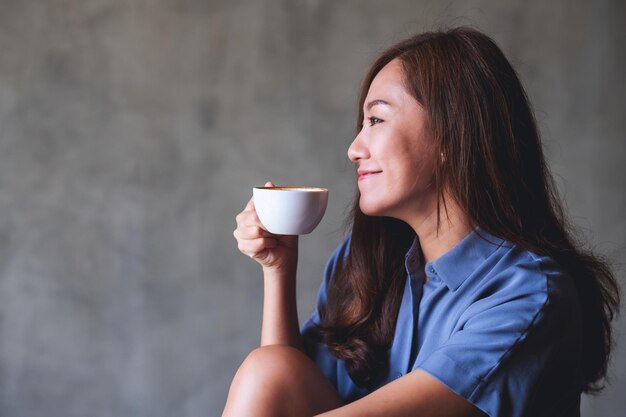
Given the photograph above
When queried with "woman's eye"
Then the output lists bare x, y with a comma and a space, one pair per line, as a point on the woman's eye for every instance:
374, 120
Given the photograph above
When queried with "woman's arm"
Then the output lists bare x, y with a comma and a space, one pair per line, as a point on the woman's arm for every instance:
280, 315
278, 255
415, 394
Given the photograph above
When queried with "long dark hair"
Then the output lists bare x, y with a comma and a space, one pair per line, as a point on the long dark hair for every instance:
494, 168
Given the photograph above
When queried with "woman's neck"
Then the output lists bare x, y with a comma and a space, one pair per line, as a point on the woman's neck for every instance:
437, 238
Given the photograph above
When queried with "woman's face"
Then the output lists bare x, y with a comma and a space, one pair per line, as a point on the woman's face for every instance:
394, 151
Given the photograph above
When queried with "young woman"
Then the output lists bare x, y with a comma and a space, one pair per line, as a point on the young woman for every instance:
460, 290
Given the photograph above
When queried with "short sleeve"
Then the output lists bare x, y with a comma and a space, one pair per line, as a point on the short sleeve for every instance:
514, 334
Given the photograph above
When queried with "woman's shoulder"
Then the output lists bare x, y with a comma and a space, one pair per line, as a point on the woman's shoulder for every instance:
491, 271
528, 276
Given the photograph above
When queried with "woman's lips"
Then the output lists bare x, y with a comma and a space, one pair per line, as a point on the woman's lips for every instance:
366, 174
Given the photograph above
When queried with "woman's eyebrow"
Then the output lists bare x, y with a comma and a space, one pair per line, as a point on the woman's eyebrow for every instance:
376, 102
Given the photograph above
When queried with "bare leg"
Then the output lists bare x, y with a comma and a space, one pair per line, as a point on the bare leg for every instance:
280, 381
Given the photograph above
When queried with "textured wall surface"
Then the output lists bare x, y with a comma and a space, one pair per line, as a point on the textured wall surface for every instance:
132, 131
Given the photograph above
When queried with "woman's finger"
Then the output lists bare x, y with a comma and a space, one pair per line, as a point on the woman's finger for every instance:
250, 205
254, 247
247, 218
251, 232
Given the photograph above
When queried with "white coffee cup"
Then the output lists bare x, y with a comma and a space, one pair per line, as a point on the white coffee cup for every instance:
290, 210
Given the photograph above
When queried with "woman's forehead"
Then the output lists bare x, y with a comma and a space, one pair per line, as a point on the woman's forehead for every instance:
387, 87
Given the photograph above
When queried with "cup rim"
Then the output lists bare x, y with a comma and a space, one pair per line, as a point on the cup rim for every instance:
292, 188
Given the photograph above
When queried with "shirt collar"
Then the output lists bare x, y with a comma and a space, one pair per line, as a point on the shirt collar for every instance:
456, 265
413, 259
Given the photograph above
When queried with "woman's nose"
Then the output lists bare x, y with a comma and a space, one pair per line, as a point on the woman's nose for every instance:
357, 149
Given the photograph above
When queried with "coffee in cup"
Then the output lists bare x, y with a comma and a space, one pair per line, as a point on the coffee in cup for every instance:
290, 210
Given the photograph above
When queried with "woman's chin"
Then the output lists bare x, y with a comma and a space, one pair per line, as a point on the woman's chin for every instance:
371, 209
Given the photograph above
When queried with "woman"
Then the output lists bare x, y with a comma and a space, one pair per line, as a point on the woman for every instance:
460, 290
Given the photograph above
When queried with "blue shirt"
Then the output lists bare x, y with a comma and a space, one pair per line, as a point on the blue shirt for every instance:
498, 325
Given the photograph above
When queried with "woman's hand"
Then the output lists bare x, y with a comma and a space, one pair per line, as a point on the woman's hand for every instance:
278, 253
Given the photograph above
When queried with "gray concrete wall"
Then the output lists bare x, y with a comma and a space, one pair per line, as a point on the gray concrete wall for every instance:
131, 133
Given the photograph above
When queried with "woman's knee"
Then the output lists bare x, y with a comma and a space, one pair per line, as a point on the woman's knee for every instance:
273, 366
272, 373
